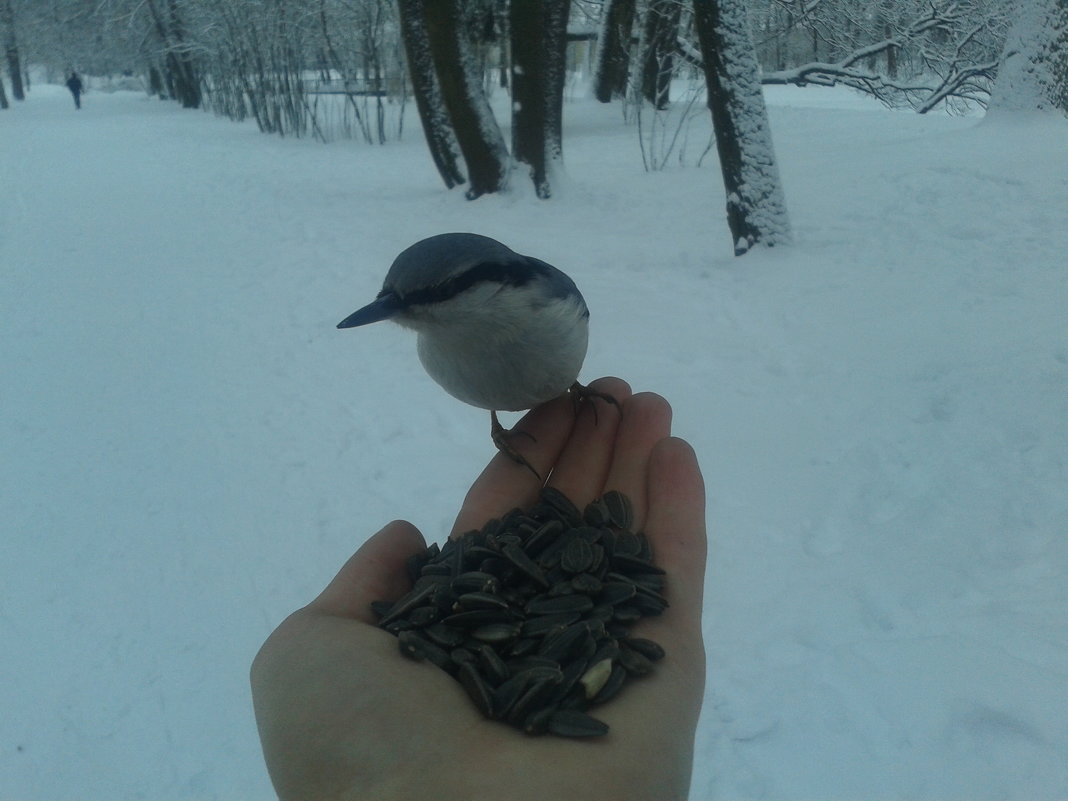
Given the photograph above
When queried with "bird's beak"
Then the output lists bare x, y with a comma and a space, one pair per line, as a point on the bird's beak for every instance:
382, 308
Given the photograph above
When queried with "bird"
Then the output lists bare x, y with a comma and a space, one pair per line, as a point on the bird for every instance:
496, 329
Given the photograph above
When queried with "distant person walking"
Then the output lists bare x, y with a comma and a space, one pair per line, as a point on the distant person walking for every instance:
74, 83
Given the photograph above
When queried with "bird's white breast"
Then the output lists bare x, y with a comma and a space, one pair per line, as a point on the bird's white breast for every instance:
504, 348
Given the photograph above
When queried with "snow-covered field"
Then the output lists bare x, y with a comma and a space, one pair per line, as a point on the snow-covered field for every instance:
190, 449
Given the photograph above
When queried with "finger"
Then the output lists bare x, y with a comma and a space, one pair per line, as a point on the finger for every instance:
676, 527
375, 572
505, 484
646, 420
584, 463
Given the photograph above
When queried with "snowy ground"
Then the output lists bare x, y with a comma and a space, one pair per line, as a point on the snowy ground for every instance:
190, 449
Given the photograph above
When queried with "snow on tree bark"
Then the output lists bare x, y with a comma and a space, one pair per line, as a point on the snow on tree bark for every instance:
440, 137
539, 54
460, 78
1033, 74
756, 208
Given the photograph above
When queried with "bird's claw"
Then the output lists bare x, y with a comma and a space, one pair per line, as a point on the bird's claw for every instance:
580, 391
501, 438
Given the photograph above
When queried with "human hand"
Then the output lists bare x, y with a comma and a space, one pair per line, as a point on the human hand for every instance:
342, 716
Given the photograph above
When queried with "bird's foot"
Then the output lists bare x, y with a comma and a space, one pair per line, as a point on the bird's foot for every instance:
580, 392
501, 438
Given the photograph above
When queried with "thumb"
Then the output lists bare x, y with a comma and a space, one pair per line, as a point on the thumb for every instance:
376, 571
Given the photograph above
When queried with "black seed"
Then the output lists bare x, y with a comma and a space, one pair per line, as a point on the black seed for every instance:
381, 608
586, 583
408, 602
415, 646
634, 663
517, 556
521, 664
493, 667
423, 616
477, 617
647, 648
539, 673
505, 696
547, 624
538, 723
496, 633
596, 514
481, 600
564, 645
577, 556
612, 686
461, 655
572, 723
620, 510
544, 605
530, 701
634, 564
414, 564
616, 592
606, 649
562, 505
444, 635
561, 587
648, 605
545, 535
476, 688
475, 581
436, 569
626, 614
626, 544
524, 646
571, 674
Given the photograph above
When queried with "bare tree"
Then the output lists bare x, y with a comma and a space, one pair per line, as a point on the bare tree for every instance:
658, 50
11, 49
440, 137
539, 53
477, 132
613, 50
756, 209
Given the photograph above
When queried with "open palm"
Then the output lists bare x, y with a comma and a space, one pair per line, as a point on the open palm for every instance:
341, 715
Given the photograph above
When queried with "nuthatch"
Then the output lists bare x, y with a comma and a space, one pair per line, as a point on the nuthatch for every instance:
495, 329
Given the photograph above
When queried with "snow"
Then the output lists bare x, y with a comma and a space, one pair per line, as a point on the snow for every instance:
881, 410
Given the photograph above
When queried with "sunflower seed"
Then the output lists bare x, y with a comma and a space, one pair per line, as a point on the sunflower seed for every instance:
476, 688
571, 723
477, 617
577, 556
538, 723
647, 648
596, 514
562, 505
496, 633
481, 600
586, 583
620, 510
544, 605
612, 686
475, 581
634, 663
493, 667
518, 557
616, 592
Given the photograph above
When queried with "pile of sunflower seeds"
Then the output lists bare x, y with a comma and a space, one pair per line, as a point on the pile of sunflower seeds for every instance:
531, 613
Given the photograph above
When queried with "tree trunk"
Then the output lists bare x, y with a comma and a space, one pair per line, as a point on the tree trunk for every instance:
440, 137
756, 210
11, 49
539, 67
613, 50
477, 132
658, 58
3, 95
1033, 74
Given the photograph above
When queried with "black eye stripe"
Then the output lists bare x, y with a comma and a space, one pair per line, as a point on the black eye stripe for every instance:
508, 274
